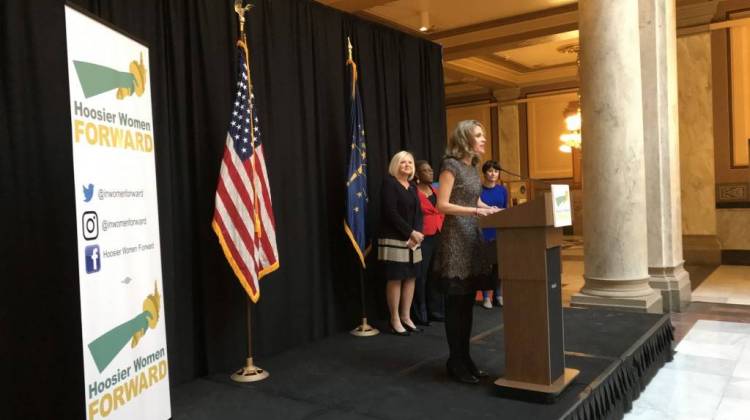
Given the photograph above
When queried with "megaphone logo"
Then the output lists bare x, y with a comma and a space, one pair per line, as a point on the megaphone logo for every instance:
563, 199
108, 345
96, 79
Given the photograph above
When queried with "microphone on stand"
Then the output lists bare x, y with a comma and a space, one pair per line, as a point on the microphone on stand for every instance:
523, 188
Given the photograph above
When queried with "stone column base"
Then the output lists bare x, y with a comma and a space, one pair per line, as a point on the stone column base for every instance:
650, 303
674, 285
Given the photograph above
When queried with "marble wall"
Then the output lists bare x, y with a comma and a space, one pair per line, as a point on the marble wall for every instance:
545, 123
740, 71
733, 228
696, 135
510, 154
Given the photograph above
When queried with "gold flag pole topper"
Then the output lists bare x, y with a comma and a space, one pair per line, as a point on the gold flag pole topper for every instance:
249, 373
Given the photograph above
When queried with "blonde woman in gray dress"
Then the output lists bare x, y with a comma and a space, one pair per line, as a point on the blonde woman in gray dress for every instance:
459, 257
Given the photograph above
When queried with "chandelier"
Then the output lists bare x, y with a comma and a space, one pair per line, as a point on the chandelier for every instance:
571, 139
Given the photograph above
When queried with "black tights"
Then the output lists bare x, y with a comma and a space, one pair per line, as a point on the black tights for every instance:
459, 315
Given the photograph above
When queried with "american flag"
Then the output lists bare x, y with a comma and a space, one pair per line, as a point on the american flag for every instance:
243, 218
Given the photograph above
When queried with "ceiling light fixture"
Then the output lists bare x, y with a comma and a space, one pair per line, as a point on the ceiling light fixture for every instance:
424, 19
571, 138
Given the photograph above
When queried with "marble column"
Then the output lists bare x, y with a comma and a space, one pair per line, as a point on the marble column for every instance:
509, 141
699, 217
615, 235
510, 145
661, 145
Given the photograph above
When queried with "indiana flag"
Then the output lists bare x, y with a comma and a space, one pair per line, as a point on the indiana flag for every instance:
243, 218
356, 178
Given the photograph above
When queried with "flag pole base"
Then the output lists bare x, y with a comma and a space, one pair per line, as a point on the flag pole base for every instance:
250, 373
365, 330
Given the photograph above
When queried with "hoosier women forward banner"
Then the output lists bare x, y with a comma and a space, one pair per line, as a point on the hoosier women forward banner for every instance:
122, 309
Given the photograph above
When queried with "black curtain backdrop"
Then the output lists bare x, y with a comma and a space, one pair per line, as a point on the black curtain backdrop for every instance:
298, 54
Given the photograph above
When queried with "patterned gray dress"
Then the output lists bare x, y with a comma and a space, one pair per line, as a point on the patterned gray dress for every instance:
460, 259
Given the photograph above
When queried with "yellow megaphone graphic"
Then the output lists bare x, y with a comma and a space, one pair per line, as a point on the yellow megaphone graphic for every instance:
96, 79
108, 345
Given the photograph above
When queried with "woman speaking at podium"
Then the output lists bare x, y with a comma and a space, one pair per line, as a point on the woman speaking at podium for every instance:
460, 259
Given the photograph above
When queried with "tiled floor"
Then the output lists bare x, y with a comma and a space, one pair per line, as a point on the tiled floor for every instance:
696, 311
727, 284
709, 377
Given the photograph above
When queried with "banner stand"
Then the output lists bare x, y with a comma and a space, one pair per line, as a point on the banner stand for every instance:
125, 360
250, 373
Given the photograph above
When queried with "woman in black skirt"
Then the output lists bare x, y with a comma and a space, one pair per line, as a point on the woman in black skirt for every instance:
399, 240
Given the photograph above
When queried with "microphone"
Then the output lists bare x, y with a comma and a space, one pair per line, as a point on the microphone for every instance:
523, 188
520, 177
510, 173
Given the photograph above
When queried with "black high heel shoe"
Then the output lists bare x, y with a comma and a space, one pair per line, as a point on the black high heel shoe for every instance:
460, 373
412, 329
400, 333
474, 370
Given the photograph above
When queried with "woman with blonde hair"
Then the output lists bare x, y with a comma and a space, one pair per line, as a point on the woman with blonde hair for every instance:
399, 240
460, 258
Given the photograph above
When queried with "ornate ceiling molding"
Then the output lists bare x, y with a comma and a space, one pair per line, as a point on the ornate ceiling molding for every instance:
469, 52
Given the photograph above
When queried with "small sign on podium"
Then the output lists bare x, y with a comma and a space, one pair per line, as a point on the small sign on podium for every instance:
561, 207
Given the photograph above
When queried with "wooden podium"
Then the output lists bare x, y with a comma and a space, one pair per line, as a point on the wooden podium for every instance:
528, 255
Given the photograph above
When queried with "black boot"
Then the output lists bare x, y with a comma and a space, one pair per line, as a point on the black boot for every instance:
455, 326
460, 372
467, 318
474, 370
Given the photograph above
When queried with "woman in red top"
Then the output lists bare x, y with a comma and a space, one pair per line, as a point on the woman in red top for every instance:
428, 302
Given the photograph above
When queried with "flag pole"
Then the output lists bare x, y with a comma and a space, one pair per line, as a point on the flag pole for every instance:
250, 372
364, 329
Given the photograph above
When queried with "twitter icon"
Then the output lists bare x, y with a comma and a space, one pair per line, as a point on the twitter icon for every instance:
88, 192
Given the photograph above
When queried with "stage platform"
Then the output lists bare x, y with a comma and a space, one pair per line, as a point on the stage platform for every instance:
390, 377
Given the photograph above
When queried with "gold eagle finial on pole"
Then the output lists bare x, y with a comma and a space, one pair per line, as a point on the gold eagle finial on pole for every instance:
240, 10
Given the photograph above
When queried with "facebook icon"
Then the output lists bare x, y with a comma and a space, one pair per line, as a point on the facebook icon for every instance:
93, 259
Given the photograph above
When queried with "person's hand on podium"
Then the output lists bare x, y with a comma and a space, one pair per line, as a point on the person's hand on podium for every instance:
486, 211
